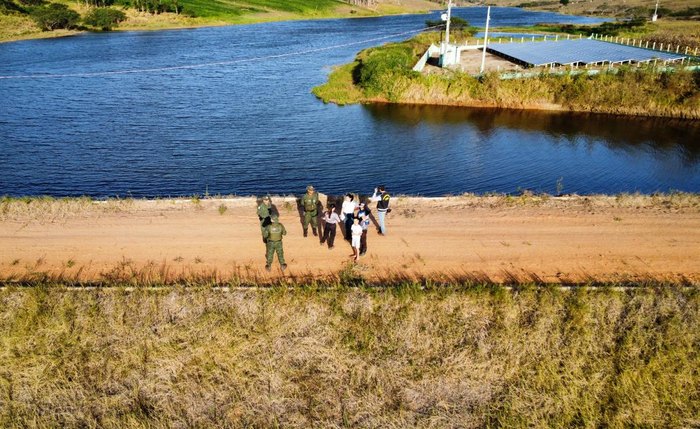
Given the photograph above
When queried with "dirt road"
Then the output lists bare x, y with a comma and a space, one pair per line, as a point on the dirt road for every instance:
500, 238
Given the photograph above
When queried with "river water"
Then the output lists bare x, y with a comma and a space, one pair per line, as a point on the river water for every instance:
120, 115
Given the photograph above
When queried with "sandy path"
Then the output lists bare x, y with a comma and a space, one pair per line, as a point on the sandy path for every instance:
553, 239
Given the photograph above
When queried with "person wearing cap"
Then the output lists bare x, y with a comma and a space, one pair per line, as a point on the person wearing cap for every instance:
264, 211
273, 234
382, 198
309, 203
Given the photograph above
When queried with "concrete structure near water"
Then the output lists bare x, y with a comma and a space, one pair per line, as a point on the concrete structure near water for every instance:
570, 52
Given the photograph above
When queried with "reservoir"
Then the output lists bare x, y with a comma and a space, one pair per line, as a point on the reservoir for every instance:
228, 110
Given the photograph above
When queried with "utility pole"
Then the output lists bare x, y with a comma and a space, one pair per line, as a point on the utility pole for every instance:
486, 38
655, 16
449, 17
444, 46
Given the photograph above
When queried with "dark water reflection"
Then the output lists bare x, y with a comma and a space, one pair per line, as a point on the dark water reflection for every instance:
673, 136
506, 150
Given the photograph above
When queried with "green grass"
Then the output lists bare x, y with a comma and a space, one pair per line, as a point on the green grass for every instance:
215, 8
309, 356
230, 8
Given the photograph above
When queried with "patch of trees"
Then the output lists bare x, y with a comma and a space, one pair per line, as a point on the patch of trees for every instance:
691, 12
104, 18
54, 16
153, 6
459, 27
605, 29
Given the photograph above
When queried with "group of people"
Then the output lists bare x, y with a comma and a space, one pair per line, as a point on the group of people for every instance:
355, 217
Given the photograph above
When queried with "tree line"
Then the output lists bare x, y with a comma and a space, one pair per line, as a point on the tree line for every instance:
52, 16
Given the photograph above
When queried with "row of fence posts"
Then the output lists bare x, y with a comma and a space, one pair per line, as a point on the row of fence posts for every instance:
522, 39
619, 40
638, 44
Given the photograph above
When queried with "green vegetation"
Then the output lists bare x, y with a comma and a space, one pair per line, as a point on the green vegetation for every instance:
310, 356
605, 29
690, 12
24, 18
385, 74
104, 18
54, 16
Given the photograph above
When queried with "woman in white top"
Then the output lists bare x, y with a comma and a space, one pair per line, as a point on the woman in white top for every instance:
347, 214
330, 220
356, 236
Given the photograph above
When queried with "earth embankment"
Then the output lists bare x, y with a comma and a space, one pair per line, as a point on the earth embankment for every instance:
496, 238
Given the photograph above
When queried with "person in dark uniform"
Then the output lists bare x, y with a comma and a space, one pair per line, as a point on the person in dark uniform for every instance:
309, 203
273, 234
264, 211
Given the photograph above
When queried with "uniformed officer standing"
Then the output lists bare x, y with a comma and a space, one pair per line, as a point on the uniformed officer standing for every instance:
309, 203
273, 233
264, 211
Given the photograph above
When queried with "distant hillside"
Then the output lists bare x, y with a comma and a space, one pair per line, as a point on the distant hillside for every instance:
21, 19
686, 9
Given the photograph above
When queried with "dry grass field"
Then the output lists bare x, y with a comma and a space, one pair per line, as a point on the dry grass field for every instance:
332, 356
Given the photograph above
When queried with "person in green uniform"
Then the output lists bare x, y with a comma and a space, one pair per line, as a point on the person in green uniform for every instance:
273, 233
309, 202
264, 211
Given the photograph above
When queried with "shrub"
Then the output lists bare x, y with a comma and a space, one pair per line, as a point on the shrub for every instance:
380, 69
104, 18
55, 16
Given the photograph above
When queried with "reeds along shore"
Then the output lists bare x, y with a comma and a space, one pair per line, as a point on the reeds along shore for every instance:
314, 357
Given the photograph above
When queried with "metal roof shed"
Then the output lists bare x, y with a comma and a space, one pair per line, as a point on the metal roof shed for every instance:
577, 52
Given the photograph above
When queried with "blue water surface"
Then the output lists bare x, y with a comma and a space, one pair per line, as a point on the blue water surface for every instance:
121, 116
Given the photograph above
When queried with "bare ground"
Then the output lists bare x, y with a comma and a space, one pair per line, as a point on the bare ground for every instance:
501, 238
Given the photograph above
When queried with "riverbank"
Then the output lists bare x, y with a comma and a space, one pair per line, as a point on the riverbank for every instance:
15, 27
503, 239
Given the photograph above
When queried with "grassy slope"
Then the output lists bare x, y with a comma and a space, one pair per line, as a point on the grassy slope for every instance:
217, 12
595, 7
446, 357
